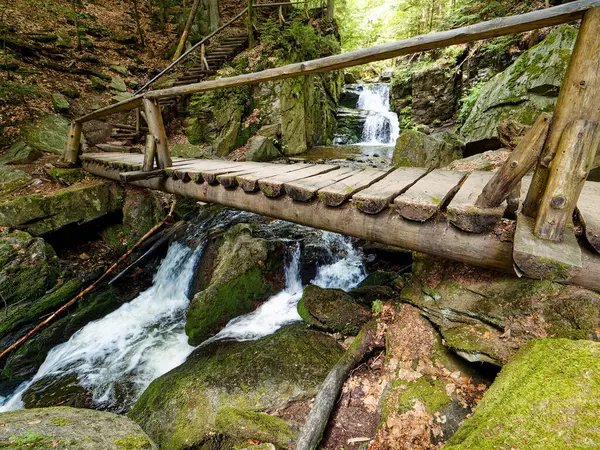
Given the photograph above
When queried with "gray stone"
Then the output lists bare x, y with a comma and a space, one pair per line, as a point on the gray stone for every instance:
49, 135
60, 104
261, 149
416, 149
435, 93
12, 179
20, 153
524, 90
84, 429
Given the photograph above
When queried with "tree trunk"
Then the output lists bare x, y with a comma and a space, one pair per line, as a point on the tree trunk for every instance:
330, 9
213, 14
186, 30
136, 17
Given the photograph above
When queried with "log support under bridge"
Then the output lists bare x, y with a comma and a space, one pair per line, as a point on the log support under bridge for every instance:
492, 250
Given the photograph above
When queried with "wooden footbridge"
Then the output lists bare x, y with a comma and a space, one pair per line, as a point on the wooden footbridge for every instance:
467, 217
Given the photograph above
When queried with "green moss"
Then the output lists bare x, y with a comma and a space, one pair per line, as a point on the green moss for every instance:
547, 397
133, 443
66, 177
430, 392
59, 421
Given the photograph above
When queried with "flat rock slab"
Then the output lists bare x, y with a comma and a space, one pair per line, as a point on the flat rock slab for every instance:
462, 211
543, 259
589, 213
12, 179
379, 195
428, 195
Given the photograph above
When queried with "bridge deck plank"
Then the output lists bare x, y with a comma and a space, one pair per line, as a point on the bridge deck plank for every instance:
249, 181
379, 195
210, 176
589, 213
462, 211
341, 191
273, 186
427, 196
305, 189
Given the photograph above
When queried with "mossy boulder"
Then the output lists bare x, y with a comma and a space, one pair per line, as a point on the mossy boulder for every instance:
39, 214
524, 90
60, 104
416, 149
121, 70
20, 153
28, 268
332, 310
247, 270
69, 91
63, 427
190, 151
547, 397
12, 179
226, 387
487, 316
49, 135
350, 125
117, 84
97, 83
66, 177
261, 149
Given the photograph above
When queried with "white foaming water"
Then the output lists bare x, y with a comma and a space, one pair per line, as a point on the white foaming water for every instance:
281, 309
381, 126
130, 347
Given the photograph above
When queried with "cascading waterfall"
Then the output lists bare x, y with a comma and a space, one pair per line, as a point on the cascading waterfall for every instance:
381, 125
117, 357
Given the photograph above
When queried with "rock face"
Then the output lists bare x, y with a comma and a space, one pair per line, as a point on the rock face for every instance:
527, 88
247, 270
222, 391
64, 427
262, 149
546, 397
435, 93
38, 214
12, 179
49, 135
350, 125
487, 316
416, 149
332, 310
350, 95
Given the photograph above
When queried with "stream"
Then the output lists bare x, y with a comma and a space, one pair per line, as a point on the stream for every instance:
115, 358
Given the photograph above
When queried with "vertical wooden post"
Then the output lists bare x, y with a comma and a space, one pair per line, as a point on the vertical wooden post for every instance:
157, 129
203, 61
149, 153
330, 7
138, 121
71, 152
579, 98
186, 30
251, 41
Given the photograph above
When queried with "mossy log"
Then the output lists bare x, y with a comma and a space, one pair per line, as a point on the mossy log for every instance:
315, 424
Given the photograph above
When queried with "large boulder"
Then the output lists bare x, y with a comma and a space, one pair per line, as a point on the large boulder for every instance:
524, 90
20, 153
12, 179
435, 93
190, 151
332, 310
63, 427
546, 398
49, 135
39, 214
247, 270
487, 316
416, 149
262, 149
223, 390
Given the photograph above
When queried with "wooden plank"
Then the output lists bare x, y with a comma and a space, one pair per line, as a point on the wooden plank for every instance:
193, 169
428, 195
249, 181
589, 213
210, 176
136, 175
336, 194
273, 186
462, 211
379, 195
486, 30
305, 189
543, 259
567, 175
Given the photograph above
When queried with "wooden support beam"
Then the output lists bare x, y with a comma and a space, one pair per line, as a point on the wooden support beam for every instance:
519, 162
137, 175
579, 98
250, 24
149, 153
568, 172
71, 152
157, 129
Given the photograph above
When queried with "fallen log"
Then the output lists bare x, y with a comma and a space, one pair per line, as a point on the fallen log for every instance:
315, 424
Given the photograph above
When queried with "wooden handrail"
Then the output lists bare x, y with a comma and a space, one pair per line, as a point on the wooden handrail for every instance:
485, 30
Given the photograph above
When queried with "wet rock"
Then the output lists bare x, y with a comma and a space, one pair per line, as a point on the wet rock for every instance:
225, 386
332, 310
487, 316
117, 84
350, 95
71, 428
190, 151
39, 214
60, 104
349, 78
247, 270
20, 153
350, 125
48, 392
66, 177
416, 149
546, 397
430, 391
435, 93
12, 179
366, 295
262, 149
524, 90
48, 135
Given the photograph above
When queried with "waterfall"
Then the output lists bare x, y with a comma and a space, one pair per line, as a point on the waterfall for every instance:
381, 125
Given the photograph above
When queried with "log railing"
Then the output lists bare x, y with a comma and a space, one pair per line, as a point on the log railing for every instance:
572, 139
